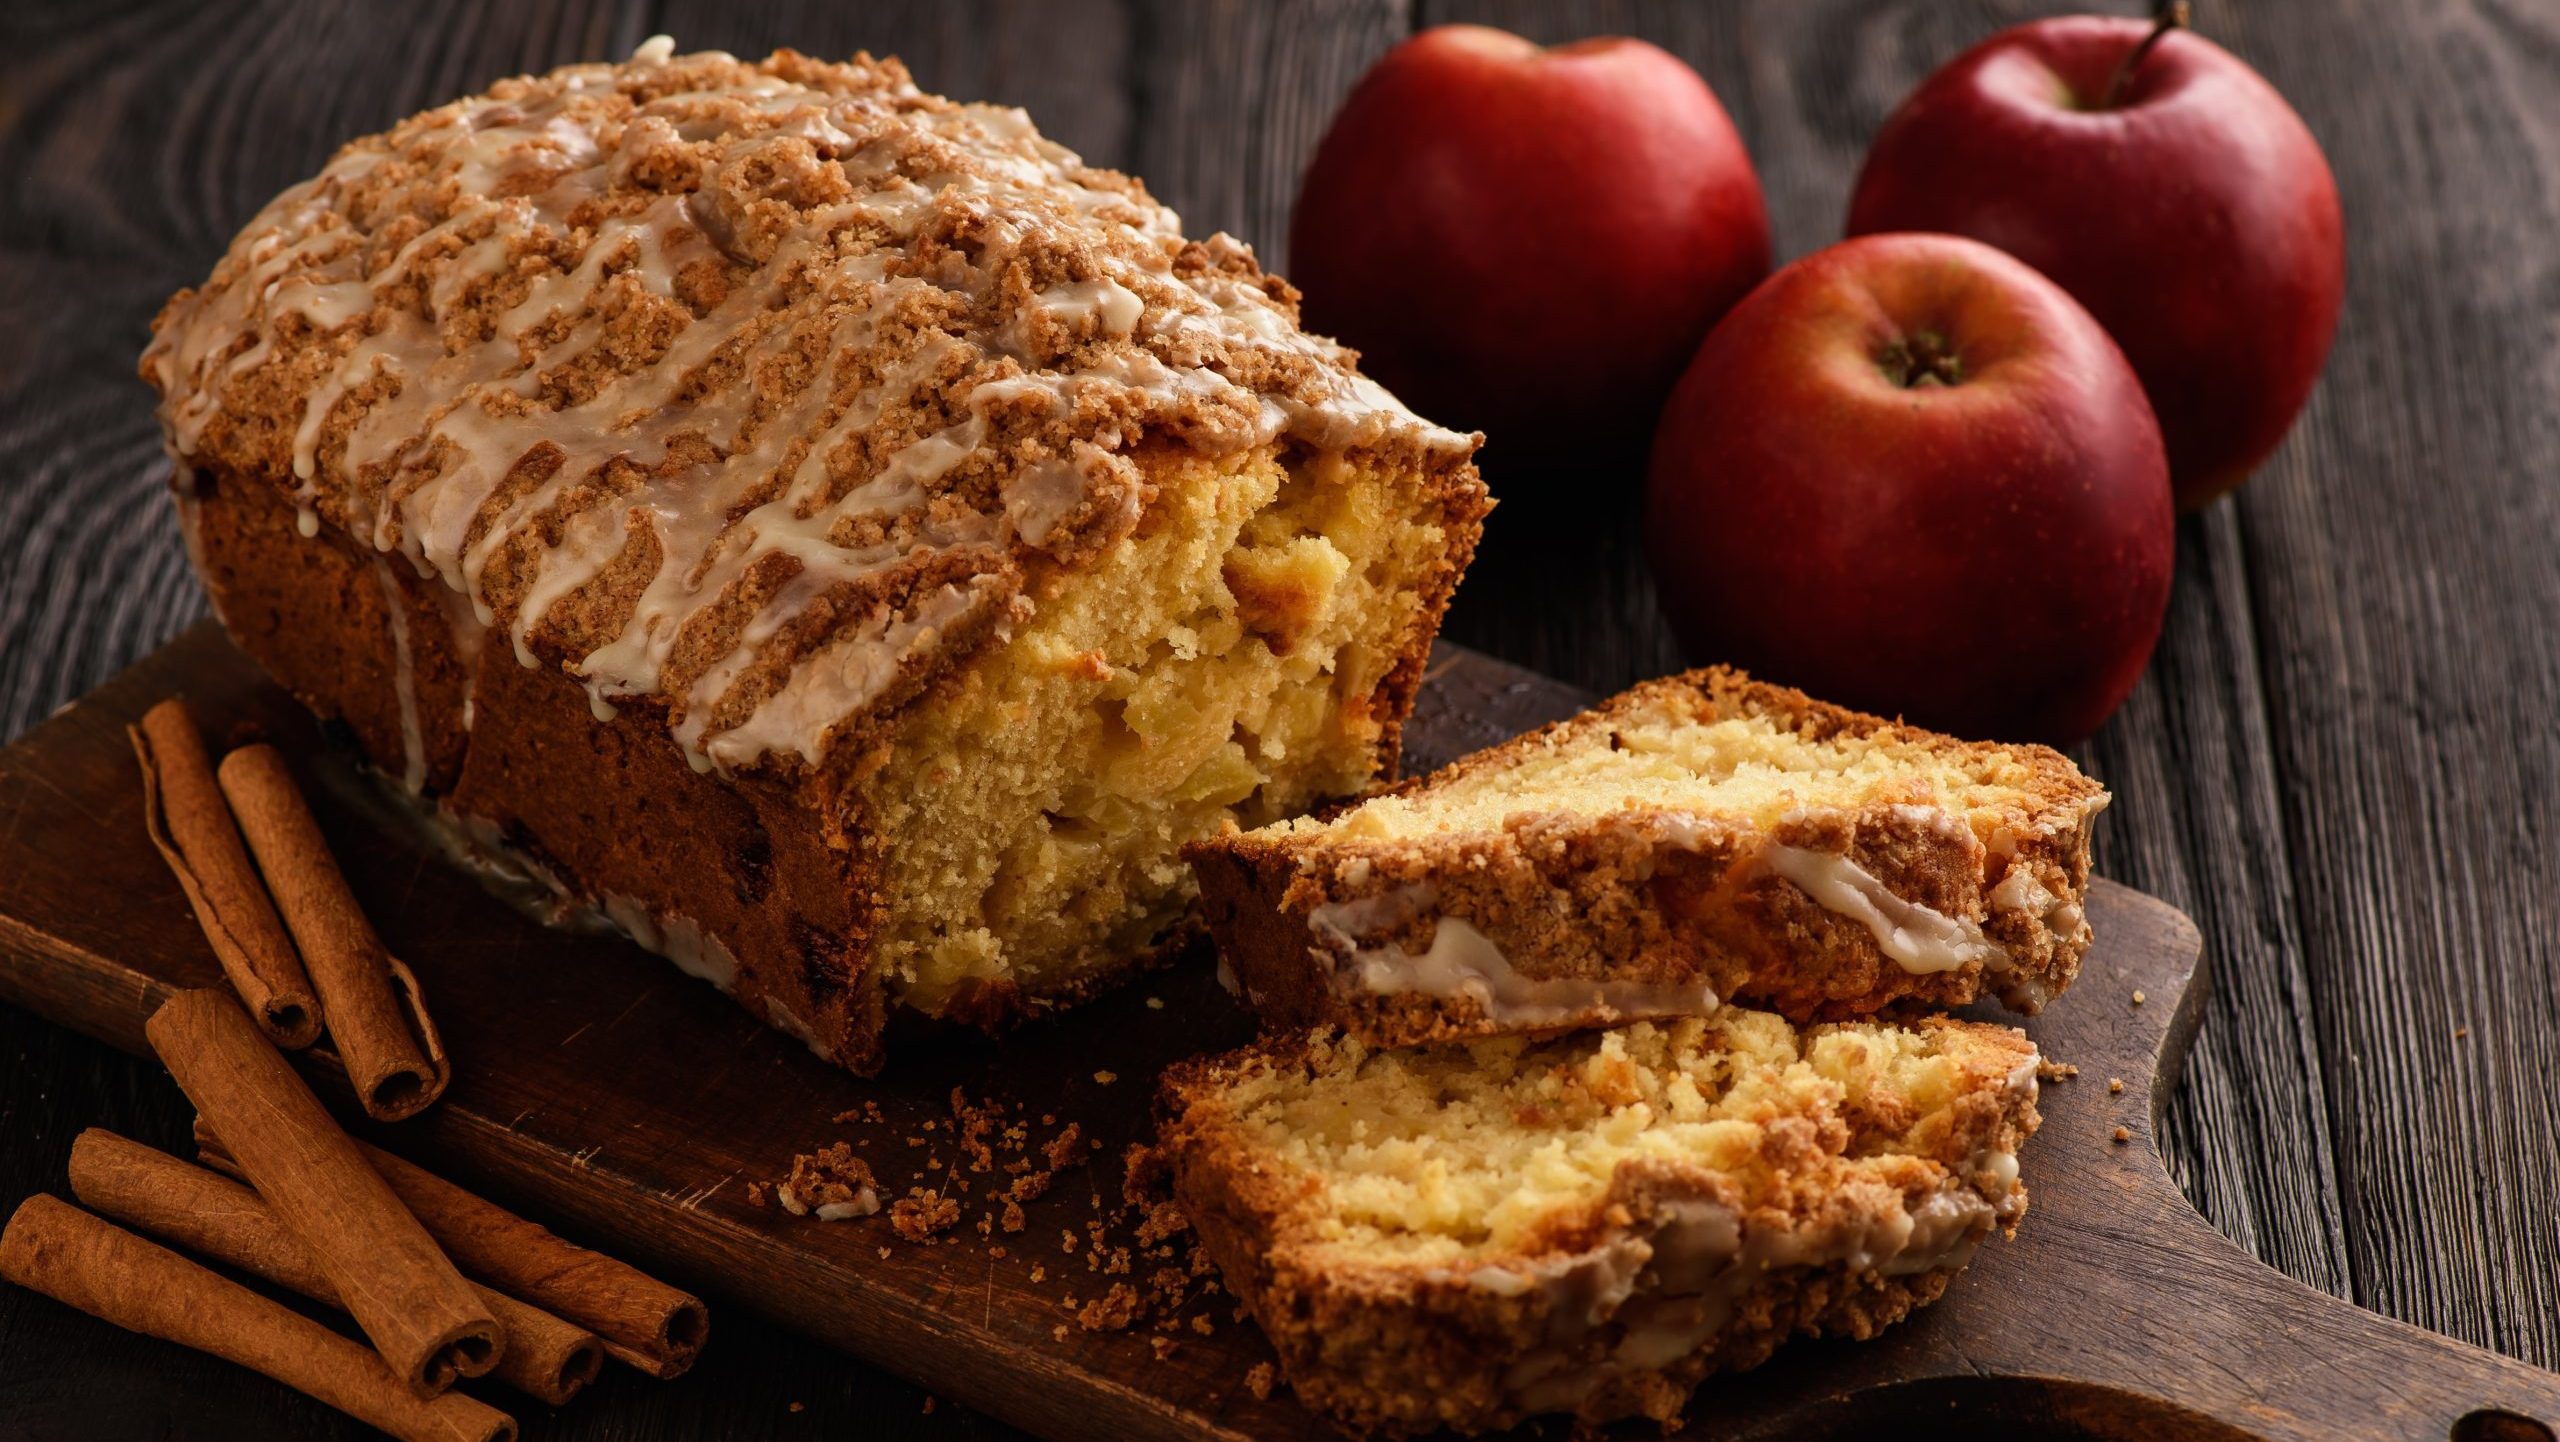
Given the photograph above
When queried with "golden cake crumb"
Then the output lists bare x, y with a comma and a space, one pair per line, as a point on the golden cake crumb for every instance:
924, 1212
1113, 1311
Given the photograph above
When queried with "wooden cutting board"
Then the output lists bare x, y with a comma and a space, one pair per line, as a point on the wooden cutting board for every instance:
599, 1089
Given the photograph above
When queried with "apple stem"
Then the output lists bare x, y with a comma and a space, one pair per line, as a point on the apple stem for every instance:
1920, 360
2171, 16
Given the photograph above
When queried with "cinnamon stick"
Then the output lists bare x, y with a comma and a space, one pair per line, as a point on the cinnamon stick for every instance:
642, 1322
424, 1319
55, 1248
215, 1217
191, 825
375, 1015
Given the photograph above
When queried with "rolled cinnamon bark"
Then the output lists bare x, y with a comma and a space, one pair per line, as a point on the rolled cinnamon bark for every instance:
214, 1216
642, 1322
422, 1316
55, 1248
375, 1016
191, 825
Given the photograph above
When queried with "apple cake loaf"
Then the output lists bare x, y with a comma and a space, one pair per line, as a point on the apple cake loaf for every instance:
1470, 1234
829, 529
1700, 838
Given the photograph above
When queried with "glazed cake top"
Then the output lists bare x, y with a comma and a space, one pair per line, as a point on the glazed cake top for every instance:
755, 389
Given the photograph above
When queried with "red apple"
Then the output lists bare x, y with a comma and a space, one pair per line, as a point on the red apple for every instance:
2190, 211
1527, 241
1909, 474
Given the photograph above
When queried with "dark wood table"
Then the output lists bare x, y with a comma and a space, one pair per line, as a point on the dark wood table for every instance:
2344, 763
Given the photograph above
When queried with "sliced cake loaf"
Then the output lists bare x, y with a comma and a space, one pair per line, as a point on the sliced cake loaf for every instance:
1701, 838
1471, 1234
828, 530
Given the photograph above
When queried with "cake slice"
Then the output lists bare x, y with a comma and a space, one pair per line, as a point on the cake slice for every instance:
1701, 838
1471, 1234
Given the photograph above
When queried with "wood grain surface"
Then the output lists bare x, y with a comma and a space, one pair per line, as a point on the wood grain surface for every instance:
2342, 763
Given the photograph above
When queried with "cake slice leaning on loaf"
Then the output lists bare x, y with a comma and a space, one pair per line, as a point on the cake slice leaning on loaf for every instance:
1471, 1234
1701, 838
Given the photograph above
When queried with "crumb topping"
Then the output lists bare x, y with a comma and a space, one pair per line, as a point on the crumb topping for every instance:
754, 392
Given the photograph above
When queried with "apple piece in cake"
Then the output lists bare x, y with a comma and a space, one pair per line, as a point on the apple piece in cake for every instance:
1698, 839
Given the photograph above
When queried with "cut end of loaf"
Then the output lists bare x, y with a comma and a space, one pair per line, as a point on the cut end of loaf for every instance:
1248, 654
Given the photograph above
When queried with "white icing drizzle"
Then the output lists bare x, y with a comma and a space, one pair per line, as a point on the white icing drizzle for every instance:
788, 1022
1463, 962
404, 681
675, 936
1670, 1289
464, 629
477, 846
437, 468
1920, 939
838, 682
1917, 938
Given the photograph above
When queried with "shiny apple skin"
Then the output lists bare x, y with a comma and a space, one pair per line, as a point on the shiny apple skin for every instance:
1990, 558
1526, 241
2198, 220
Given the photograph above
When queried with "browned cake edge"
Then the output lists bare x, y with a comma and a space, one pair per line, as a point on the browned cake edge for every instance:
1584, 921
1383, 1350
605, 810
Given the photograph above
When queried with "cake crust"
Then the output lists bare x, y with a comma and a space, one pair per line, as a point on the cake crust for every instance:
1619, 1307
1567, 919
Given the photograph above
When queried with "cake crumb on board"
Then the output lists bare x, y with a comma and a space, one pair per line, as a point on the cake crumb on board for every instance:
1141, 1235
831, 1182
